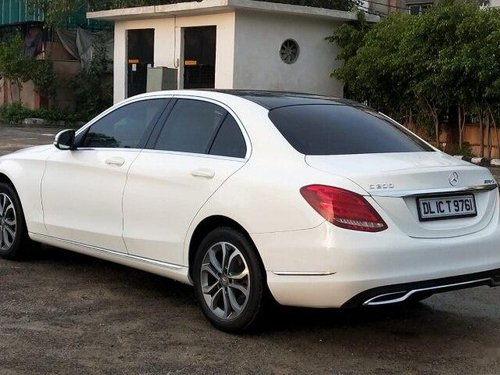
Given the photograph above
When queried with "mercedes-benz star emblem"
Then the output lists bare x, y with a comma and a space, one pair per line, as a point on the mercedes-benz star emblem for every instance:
453, 179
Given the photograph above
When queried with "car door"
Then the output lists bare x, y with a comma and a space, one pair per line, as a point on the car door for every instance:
82, 190
198, 148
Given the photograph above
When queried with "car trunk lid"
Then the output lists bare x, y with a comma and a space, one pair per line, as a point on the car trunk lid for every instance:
397, 180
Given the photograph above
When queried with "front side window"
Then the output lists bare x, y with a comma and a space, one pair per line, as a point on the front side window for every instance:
191, 127
342, 130
125, 127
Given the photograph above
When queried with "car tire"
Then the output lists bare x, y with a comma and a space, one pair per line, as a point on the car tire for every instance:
229, 280
14, 240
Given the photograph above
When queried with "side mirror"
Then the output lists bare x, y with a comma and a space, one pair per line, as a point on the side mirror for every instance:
65, 140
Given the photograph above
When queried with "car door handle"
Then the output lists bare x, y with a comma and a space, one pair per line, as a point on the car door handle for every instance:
117, 161
204, 173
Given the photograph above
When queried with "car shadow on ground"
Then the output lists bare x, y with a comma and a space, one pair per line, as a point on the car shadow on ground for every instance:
405, 320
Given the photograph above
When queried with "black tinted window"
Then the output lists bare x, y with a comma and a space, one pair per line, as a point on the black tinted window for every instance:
124, 127
229, 140
342, 130
191, 127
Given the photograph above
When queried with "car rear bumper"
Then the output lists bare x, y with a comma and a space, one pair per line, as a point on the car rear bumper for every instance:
330, 267
403, 292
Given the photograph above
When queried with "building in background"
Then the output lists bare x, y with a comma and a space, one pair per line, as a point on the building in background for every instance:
67, 47
225, 44
384, 7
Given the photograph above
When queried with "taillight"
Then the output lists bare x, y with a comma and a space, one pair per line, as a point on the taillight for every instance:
343, 208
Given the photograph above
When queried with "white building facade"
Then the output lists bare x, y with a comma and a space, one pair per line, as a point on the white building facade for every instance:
226, 44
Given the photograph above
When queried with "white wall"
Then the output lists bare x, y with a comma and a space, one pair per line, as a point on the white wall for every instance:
168, 46
258, 64
247, 51
224, 55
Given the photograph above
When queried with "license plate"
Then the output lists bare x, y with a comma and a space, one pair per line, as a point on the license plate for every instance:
451, 207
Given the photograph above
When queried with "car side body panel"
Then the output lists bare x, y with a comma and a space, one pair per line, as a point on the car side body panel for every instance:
82, 196
163, 193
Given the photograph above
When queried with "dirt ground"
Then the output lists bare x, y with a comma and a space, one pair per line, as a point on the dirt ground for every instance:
64, 313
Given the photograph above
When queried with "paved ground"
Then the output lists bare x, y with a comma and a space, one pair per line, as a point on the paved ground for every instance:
64, 313
12, 139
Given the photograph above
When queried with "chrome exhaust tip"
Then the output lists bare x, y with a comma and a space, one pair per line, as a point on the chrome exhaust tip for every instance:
402, 296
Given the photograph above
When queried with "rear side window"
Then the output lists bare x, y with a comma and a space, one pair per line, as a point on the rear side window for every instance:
342, 130
191, 127
229, 140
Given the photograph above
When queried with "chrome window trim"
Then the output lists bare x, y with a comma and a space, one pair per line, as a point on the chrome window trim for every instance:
243, 130
194, 155
110, 149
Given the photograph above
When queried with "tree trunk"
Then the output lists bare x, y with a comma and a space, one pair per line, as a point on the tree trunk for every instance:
481, 131
11, 92
434, 113
460, 127
436, 127
493, 121
488, 136
19, 88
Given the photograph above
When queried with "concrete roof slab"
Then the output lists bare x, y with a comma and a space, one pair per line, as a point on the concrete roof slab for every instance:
215, 6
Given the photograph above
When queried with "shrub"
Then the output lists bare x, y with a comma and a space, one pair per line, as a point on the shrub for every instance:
465, 150
16, 113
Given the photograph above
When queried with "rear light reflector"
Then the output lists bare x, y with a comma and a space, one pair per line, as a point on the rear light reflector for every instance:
343, 208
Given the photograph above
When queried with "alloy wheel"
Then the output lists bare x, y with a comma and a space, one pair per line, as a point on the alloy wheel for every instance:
8, 222
225, 280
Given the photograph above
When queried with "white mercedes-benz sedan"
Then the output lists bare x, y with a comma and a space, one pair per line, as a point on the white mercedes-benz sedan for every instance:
318, 202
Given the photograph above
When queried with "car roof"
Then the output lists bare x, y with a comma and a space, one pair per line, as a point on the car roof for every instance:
277, 99
267, 99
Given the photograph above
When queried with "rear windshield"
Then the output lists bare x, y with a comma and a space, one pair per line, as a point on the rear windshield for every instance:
342, 130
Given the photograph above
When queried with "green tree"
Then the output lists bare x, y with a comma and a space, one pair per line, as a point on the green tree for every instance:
13, 66
329, 4
43, 76
94, 87
56, 13
375, 69
18, 68
424, 65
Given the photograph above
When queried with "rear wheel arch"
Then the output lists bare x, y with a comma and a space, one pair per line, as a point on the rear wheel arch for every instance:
209, 224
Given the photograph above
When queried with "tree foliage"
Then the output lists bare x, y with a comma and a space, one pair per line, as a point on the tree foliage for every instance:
93, 87
18, 68
329, 4
12, 59
56, 13
421, 66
